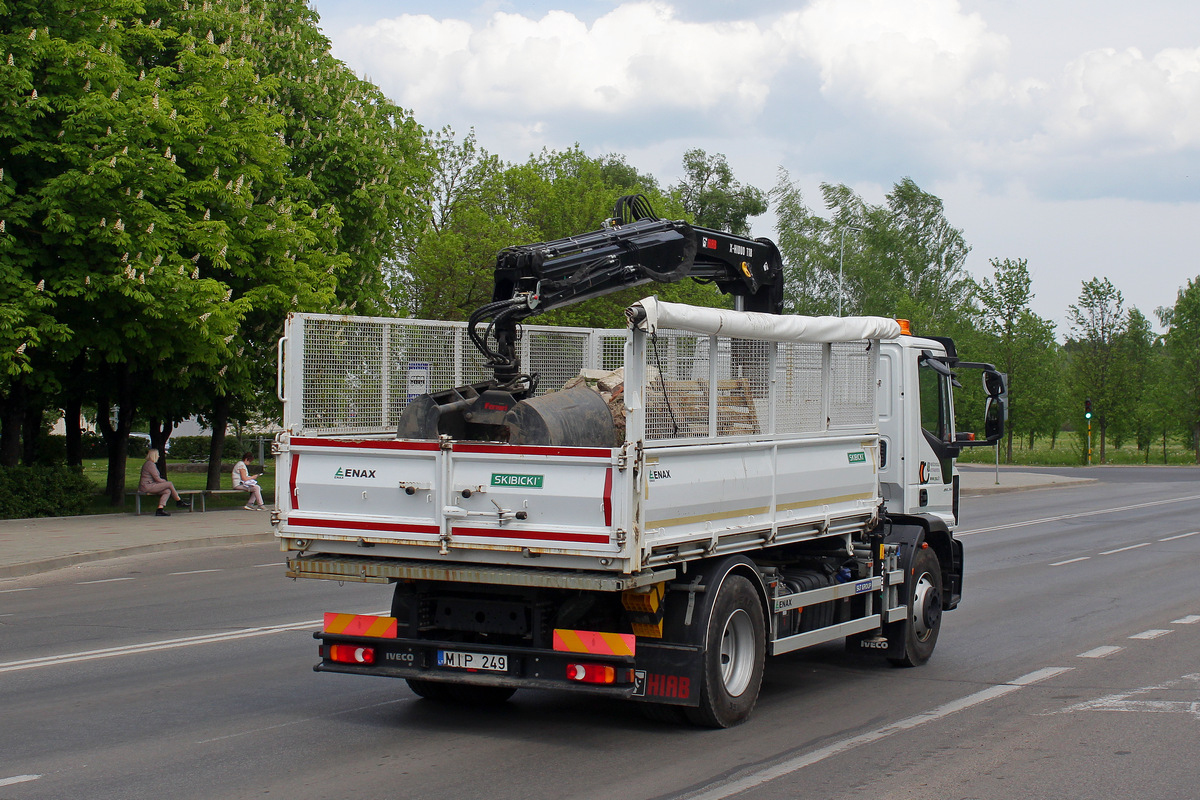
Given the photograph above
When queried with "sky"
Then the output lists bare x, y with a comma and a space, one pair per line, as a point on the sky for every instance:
1063, 132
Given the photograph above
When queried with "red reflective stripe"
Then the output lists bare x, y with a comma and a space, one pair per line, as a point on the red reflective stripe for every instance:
375, 444
542, 536
608, 496
533, 450
295, 495
353, 525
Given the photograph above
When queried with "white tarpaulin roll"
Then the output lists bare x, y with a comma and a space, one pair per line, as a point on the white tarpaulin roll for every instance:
650, 314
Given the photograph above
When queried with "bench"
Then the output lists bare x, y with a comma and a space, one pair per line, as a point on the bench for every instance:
137, 498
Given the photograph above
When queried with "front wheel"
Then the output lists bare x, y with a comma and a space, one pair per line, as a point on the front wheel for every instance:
733, 658
924, 609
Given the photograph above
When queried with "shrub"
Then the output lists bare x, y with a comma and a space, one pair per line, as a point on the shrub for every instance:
43, 492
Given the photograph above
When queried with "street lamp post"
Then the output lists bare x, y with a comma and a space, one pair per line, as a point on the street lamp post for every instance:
841, 259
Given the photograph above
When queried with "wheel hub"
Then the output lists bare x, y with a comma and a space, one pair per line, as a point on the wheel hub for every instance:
926, 609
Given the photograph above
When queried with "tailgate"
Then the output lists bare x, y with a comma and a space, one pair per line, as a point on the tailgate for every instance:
405, 498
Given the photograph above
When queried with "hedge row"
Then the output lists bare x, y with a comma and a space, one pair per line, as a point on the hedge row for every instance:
179, 448
43, 492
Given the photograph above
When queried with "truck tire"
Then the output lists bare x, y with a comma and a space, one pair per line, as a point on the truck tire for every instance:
460, 693
924, 610
733, 658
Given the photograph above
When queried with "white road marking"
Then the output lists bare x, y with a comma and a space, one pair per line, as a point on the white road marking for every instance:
791, 765
1153, 633
1070, 561
276, 564
150, 647
1121, 702
166, 644
18, 779
194, 572
1078, 515
1101, 652
1123, 549
106, 580
26, 589
1180, 536
1191, 619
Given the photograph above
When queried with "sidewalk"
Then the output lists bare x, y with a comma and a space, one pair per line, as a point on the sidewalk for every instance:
977, 479
30, 546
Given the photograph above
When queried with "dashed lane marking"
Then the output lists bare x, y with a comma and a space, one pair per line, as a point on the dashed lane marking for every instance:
1061, 517
18, 779
1070, 561
1153, 633
194, 572
1190, 619
1179, 536
105, 580
1101, 652
1127, 547
26, 589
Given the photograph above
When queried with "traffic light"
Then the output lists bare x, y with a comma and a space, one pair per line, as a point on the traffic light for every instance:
1087, 409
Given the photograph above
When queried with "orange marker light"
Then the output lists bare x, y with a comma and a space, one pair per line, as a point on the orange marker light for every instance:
905, 327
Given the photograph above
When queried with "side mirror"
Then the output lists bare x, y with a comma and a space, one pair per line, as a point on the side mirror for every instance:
993, 384
993, 419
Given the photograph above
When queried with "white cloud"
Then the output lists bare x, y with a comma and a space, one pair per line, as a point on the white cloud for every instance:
1121, 99
922, 58
638, 57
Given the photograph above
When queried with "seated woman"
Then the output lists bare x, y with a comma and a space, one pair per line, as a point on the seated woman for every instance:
242, 479
152, 482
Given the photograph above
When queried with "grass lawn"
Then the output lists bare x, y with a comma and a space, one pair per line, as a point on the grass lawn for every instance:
96, 470
1071, 451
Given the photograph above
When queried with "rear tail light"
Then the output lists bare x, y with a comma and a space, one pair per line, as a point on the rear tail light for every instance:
591, 673
599, 673
351, 654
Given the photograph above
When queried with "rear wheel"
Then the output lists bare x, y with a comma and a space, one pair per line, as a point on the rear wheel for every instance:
924, 610
462, 693
733, 659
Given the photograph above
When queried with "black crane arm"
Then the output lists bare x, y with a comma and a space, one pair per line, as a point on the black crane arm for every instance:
534, 278
633, 248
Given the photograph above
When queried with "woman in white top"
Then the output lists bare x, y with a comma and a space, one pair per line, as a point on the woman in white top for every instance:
242, 479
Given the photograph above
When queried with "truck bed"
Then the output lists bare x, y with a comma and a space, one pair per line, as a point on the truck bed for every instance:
725, 450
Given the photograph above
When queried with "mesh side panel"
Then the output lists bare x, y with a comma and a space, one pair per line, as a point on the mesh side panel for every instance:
743, 386
798, 388
612, 350
852, 390
557, 356
343, 375
359, 374
677, 394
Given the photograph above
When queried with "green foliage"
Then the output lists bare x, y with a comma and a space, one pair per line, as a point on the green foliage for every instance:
713, 197
40, 491
1099, 322
901, 259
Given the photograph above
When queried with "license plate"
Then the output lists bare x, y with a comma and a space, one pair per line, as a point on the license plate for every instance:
476, 661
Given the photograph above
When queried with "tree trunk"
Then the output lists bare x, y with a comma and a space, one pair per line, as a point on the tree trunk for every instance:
71, 416
31, 426
12, 422
160, 434
220, 419
116, 438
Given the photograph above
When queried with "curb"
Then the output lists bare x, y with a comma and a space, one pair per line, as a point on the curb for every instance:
986, 490
75, 559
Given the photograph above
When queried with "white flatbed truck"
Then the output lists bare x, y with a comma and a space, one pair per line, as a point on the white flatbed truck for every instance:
722, 486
